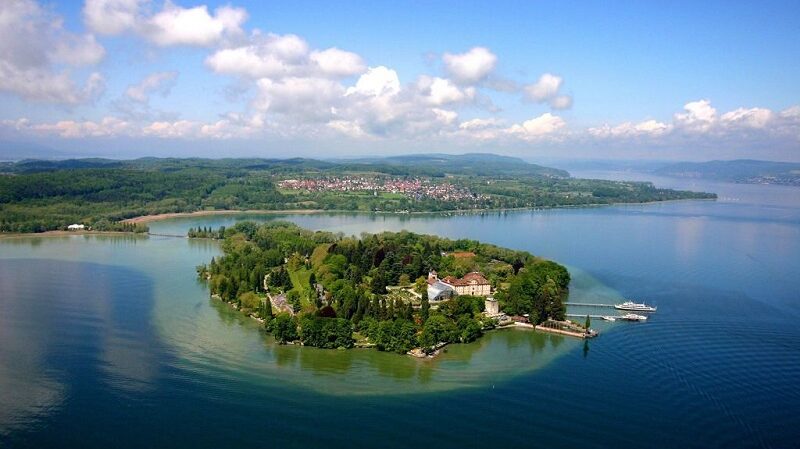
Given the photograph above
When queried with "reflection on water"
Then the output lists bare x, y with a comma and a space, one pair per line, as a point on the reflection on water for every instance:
62, 320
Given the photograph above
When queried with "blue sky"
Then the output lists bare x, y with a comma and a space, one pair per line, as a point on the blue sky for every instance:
129, 78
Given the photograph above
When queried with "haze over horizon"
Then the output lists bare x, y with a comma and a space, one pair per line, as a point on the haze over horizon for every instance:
131, 78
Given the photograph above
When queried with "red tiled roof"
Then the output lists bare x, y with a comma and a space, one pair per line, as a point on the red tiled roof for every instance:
473, 278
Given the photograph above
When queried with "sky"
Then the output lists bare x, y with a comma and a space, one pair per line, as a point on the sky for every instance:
571, 80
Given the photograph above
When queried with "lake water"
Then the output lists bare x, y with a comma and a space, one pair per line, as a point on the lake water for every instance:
111, 341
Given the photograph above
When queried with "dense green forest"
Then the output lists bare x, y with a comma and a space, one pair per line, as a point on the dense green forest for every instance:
372, 289
37, 196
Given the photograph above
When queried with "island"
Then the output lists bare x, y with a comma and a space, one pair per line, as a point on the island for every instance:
109, 195
400, 292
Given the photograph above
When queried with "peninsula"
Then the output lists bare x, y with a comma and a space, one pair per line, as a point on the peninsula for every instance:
400, 292
103, 195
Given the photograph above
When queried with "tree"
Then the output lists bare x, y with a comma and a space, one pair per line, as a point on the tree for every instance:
378, 284
284, 327
404, 279
438, 329
328, 333
470, 330
250, 301
421, 285
588, 322
425, 308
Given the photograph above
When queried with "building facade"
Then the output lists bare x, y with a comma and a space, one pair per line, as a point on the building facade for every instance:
474, 284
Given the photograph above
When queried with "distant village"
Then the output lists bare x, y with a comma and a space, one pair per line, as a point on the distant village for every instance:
414, 188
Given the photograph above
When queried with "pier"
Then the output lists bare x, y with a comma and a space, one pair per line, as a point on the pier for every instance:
578, 315
587, 304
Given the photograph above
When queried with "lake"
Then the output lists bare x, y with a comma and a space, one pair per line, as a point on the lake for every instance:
112, 342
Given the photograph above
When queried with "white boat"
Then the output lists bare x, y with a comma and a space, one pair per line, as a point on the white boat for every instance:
636, 307
632, 317
609, 318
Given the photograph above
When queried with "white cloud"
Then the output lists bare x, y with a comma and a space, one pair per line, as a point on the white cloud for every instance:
540, 126
480, 123
277, 56
112, 16
176, 129
471, 67
194, 26
172, 25
546, 90
699, 116
378, 81
37, 55
445, 116
629, 129
561, 102
440, 91
304, 99
348, 128
159, 82
338, 63
70, 129
747, 118
699, 126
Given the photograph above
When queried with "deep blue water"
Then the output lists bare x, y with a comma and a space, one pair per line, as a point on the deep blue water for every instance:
110, 342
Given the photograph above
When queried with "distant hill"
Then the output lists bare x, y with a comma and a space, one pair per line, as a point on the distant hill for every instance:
740, 171
478, 164
434, 165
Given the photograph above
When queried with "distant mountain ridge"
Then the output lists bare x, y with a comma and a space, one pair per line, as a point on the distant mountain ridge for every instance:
740, 171
469, 163
435, 165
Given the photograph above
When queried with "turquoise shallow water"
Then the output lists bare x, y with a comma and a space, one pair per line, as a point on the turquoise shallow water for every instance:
110, 342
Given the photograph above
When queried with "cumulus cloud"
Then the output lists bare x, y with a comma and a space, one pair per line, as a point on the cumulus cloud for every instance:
112, 16
440, 91
471, 67
699, 125
537, 127
337, 63
159, 82
37, 56
378, 81
303, 99
750, 118
630, 129
547, 90
172, 25
276, 56
698, 116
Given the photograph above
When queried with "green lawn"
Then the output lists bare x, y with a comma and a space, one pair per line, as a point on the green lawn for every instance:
300, 282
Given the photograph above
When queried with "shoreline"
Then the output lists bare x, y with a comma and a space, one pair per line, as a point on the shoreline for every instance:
59, 233
143, 219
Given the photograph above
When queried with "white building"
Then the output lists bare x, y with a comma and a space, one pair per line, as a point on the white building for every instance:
76, 227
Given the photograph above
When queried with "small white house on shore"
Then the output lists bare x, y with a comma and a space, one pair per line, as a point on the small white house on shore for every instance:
76, 227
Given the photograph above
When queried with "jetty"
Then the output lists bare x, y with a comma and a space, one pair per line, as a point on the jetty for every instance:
587, 304
566, 328
582, 315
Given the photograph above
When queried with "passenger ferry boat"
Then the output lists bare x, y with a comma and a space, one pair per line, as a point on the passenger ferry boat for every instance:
635, 307
632, 317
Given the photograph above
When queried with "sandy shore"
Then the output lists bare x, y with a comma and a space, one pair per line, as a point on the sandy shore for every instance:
200, 213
